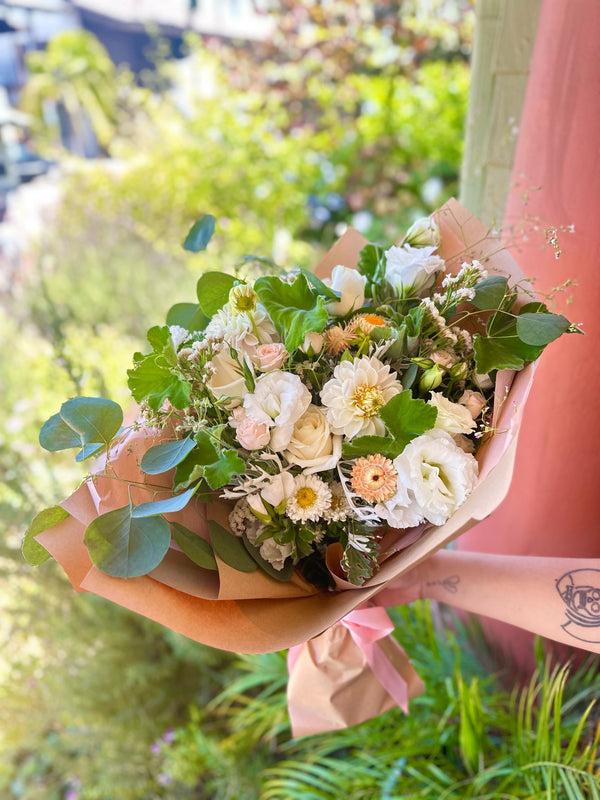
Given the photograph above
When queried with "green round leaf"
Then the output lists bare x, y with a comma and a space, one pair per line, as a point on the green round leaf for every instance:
230, 549
491, 292
188, 316
195, 547
200, 234
165, 456
213, 291
169, 505
125, 547
540, 329
56, 435
33, 552
95, 419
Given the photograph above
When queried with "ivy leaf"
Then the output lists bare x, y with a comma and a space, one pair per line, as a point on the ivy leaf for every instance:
230, 549
165, 456
406, 418
195, 547
213, 291
220, 472
153, 378
170, 505
188, 316
502, 348
294, 308
33, 552
94, 419
366, 445
492, 292
371, 263
284, 575
125, 547
320, 287
539, 329
56, 435
200, 234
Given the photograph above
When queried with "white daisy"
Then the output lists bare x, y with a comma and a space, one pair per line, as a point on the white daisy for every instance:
339, 510
309, 500
357, 392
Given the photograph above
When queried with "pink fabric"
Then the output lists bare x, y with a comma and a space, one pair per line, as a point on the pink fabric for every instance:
552, 508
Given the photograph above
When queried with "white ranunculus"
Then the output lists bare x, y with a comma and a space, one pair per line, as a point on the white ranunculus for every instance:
437, 474
351, 286
226, 380
411, 269
423, 232
312, 446
279, 400
451, 417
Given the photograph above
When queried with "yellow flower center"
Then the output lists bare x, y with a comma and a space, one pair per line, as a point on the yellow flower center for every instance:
305, 497
368, 399
242, 299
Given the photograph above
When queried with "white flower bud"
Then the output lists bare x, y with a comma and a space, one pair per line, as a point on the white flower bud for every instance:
423, 232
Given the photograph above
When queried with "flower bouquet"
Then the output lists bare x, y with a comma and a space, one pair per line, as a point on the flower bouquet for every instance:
300, 441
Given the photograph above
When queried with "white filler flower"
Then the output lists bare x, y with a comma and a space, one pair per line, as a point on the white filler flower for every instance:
411, 269
355, 395
434, 478
279, 400
309, 500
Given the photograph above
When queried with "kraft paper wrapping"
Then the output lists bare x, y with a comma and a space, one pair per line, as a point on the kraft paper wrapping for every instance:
253, 613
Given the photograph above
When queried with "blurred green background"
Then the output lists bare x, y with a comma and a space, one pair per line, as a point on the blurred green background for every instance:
332, 114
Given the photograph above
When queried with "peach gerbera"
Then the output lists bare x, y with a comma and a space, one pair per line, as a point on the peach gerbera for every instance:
374, 478
364, 323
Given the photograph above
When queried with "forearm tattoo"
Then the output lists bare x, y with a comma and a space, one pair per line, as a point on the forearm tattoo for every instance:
450, 584
580, 592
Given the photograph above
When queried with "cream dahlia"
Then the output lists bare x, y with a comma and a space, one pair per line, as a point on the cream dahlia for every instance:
309, 500
355, 395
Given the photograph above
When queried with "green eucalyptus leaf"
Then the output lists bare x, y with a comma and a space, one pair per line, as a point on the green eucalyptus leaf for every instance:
170, 505
194, 546
163, 457
188, 316
200, 234
213, 291
125, 547
539, 329
33, 552
56, 435
230, 548
89, 450
95, 419
284, 575
295, 308
491, 292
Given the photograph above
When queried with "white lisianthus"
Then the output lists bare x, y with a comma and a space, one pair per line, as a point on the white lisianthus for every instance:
351, 286
279, 400
434, 478
279, 488
423, 232
312, 446
241, 331
357, 392
272, 552
411, 269
400, 511
451, 417
226, 380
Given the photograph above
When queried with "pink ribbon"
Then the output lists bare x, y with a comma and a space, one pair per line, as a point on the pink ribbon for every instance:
367, 626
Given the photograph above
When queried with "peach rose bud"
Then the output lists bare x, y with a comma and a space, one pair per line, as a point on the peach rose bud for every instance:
474, 402
270, 357
250, 434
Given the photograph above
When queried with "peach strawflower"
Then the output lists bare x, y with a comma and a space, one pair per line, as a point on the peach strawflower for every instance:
374, 478
337, 339
365, 323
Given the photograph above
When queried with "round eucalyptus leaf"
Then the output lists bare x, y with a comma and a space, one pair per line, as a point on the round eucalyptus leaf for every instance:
95, 419
194, 546
230, 549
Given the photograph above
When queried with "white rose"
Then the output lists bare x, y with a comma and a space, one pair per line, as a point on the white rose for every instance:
279, 400
312, 446
411, 269
451, 417
226, 380
312, 344
423, 232
439, 475
351, 285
